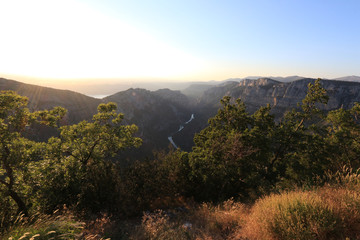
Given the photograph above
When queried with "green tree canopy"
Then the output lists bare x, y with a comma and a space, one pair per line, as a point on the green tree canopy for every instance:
28, 169
77, 169
16, 151
245, 155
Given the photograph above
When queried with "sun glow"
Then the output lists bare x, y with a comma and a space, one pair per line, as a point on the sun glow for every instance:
67, 39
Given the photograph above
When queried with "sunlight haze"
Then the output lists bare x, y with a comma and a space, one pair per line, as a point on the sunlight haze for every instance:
64, 41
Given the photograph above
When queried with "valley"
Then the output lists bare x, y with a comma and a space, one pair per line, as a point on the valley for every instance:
160, 113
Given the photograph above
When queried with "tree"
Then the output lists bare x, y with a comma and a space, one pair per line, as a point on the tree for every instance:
94, 141
299, 148
16, 151
230, 155
74, 162
77, 169
156, 183
343, 137
245, 155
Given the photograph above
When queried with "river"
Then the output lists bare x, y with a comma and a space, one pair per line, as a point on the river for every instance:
180, 129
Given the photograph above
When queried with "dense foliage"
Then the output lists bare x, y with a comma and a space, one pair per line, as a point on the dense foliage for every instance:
16, 152
69, 169
239, 155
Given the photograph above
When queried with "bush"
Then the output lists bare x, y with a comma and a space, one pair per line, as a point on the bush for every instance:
296, 215
88, 190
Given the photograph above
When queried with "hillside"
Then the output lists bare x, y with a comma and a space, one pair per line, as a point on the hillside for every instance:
282, 96
160, 114
79, 106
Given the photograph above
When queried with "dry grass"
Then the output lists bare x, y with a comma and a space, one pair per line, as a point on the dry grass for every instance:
59, 226
203, 222
44, 227
324, 213
294, 215
346, 204
96, 229
219, 222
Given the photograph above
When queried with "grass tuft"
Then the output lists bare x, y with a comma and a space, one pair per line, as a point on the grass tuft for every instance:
326, 213
44, 227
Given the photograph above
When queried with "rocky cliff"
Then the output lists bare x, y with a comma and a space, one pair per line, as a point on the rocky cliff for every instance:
283, 96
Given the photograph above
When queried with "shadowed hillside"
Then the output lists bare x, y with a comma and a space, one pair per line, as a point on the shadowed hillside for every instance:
79, 106
158, 114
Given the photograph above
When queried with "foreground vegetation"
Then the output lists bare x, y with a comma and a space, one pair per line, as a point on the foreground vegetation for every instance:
294, 179
328, 212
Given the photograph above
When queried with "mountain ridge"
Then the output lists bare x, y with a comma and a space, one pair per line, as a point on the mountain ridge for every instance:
158, 114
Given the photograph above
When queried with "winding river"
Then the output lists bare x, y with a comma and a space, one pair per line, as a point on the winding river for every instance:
180, 129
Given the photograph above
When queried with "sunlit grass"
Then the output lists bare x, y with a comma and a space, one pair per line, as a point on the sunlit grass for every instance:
43, 227
294, 215
328, 212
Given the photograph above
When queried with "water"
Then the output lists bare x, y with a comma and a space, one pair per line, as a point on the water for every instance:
98, 96
181, 128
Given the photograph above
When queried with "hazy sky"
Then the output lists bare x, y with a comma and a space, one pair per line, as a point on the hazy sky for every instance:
178, 40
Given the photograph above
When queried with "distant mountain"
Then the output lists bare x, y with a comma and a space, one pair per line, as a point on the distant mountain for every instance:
280, 79
196, 90
99, 88
282, 95
176, 97
349, 78
287, 79
166, 113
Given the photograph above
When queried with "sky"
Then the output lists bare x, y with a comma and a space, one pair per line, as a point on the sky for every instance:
177, 40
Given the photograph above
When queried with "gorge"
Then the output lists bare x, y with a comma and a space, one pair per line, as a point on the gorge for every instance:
162, 116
